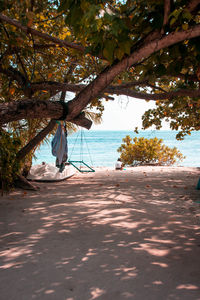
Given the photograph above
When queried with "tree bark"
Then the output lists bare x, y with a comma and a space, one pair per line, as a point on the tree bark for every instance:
37, 109
22, 183
124, 89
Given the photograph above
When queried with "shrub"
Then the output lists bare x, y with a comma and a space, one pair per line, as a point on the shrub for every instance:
9, 166
139, 151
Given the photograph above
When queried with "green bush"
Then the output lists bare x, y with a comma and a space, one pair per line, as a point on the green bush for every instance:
140, 151
9, 166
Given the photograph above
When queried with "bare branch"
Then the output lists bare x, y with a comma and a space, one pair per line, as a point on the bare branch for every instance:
157, 96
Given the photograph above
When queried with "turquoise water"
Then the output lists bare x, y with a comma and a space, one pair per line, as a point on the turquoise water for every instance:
99, 148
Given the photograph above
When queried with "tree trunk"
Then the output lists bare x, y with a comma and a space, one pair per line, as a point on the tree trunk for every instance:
36, 140
22, 183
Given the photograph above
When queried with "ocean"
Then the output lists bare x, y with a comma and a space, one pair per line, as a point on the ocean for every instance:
99, 148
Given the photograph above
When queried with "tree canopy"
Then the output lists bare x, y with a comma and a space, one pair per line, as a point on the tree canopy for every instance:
142, 49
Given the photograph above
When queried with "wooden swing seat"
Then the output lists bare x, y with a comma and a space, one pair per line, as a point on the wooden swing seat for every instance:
86, 167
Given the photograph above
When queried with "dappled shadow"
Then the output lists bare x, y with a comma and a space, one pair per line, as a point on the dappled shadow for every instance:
101, 237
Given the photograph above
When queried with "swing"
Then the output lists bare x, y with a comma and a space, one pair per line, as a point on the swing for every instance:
80, 165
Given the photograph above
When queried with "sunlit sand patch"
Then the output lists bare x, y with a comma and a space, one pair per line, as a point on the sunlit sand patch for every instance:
162, 265
91, 252
96, 293
14, 252
156, 240
153, 251
131, 224
126, 272
157, 282
187, 287
47, 292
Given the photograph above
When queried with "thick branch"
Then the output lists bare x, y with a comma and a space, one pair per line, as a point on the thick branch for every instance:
40, 34
29, 109
37, 109
82, 121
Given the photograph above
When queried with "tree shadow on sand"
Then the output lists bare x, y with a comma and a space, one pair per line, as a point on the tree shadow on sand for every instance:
93, 237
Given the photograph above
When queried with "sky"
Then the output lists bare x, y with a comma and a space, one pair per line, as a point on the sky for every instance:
124, 113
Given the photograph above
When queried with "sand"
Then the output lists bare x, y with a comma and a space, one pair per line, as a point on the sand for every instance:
131, 234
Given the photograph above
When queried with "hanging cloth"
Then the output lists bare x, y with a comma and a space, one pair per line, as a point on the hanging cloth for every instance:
60, 148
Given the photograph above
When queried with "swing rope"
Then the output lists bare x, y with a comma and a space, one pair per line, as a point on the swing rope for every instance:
81, 162
88, 149
81, 147
74, 144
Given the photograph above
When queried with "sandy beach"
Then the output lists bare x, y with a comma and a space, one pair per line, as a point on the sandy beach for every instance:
108, 235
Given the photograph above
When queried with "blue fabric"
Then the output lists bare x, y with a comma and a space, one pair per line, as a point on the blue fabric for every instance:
59, 147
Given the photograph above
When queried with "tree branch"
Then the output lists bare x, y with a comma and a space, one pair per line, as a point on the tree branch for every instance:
14, 74
167, 7
40, 34
21, 63
192, 5
37, 109
157, 96
57, 87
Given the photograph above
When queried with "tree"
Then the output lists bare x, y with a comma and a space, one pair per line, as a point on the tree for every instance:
143, 49
141, 151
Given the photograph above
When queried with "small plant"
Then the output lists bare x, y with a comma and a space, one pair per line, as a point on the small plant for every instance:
141, 151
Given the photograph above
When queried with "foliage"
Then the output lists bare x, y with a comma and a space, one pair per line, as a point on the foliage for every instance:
9, 166
182, 114
148, 151
114, 29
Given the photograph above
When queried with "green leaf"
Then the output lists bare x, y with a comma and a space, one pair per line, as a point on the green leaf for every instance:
184, 26
172, 21
160, 70
187, 15
125, 47
108, 50
119, 53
